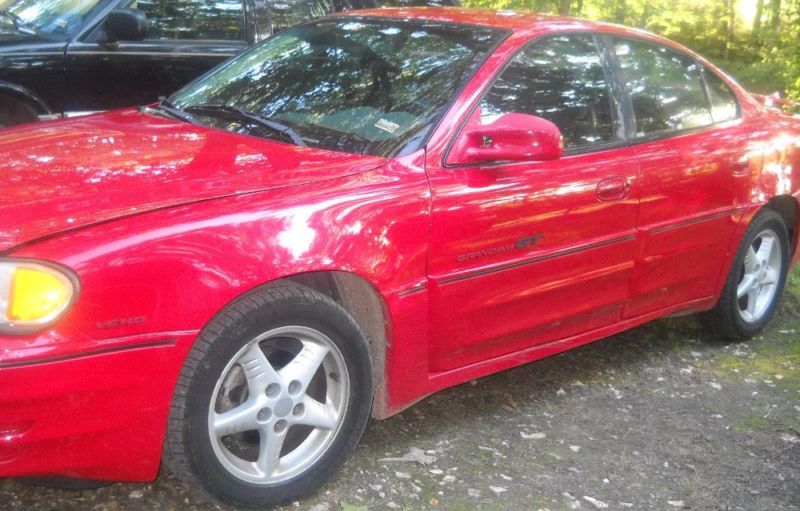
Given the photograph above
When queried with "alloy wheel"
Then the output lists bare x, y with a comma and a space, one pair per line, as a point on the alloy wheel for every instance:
278, 405
760, 276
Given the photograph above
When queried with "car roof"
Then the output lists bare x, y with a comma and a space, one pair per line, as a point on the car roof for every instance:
527, 23
532, 24
502, 19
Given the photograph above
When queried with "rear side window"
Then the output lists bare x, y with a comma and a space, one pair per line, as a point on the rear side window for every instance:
665, 87
724, 106
560, 79
193, 19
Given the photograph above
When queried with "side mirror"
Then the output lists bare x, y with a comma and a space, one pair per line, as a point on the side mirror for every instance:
126, 25
511, 137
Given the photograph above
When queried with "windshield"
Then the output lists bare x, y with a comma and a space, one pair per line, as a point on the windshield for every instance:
366, 86
50, 18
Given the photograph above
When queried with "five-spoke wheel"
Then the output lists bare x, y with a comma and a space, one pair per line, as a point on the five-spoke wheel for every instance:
278, 404
761, 273
273, 397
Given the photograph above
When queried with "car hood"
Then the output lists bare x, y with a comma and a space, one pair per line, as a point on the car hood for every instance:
62, 175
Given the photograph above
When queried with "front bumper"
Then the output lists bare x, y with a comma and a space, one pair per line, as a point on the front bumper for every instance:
97, 415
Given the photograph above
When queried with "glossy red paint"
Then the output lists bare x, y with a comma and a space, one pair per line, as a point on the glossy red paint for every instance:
478, 269
114, 160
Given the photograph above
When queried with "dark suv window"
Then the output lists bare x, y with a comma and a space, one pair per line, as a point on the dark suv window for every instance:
665, 87
724, 106
54, 19
560, 79
193, 19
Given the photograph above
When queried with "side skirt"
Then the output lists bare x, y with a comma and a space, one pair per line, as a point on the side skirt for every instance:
445, 379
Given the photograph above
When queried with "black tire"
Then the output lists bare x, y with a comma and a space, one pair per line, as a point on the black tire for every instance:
725, 318
14, 111
188, 447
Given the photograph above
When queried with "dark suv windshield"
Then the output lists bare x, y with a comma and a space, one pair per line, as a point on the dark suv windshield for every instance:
51, 18
367, 86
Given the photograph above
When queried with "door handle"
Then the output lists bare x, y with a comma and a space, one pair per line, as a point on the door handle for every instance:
615, 188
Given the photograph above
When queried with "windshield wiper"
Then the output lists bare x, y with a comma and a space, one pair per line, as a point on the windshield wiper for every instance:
261, 120
18, 23
165, 106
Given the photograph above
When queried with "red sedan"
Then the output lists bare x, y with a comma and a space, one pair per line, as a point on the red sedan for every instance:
358, 212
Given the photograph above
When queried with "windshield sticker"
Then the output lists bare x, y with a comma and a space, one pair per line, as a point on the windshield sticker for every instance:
387, 126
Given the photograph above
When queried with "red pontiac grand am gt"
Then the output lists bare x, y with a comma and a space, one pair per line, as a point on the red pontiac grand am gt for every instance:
356, 213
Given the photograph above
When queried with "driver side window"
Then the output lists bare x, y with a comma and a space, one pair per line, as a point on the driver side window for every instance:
560, 79
193, 19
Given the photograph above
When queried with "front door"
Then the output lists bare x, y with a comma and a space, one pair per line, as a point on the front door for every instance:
185, 39
534, 252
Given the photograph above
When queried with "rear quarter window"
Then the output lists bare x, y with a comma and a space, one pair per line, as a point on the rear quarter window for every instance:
724, 106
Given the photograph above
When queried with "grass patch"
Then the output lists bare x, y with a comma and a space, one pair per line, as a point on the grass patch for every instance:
776, 360
750, 424
776, 352
793, 283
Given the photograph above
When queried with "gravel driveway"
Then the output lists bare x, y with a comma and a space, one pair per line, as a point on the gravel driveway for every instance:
660, 417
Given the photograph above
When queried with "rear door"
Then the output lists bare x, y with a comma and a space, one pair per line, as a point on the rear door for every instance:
694, 169
528, 253
185, 39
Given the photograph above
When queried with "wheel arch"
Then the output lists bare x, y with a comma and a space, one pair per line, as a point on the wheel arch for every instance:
359, 297
789, 209
21, 93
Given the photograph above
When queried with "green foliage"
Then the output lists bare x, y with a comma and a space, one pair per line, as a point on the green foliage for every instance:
763, 55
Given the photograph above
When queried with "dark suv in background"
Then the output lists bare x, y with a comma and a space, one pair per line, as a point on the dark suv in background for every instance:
73, 56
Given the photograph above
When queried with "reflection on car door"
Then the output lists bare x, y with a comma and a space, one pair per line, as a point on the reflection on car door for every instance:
694, 181
185, 39
529, 253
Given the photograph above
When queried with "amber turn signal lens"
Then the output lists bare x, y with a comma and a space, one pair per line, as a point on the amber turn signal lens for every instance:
37, 294
34, 294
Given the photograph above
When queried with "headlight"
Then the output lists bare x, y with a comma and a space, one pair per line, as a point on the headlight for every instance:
33, 294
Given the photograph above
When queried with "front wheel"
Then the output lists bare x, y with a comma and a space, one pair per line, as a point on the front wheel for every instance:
755, 283
272, 399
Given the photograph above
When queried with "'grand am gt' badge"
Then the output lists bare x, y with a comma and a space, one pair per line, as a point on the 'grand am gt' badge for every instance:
520, 244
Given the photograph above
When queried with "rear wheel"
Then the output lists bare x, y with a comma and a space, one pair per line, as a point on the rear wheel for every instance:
273, 398
14, 111
755, 283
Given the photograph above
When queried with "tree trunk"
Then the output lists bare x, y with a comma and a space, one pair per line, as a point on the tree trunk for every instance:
646, 11
563, 7
775, 18
729, 36
619, 15
757, 21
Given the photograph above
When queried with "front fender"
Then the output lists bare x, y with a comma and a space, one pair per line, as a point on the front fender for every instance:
172, 270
